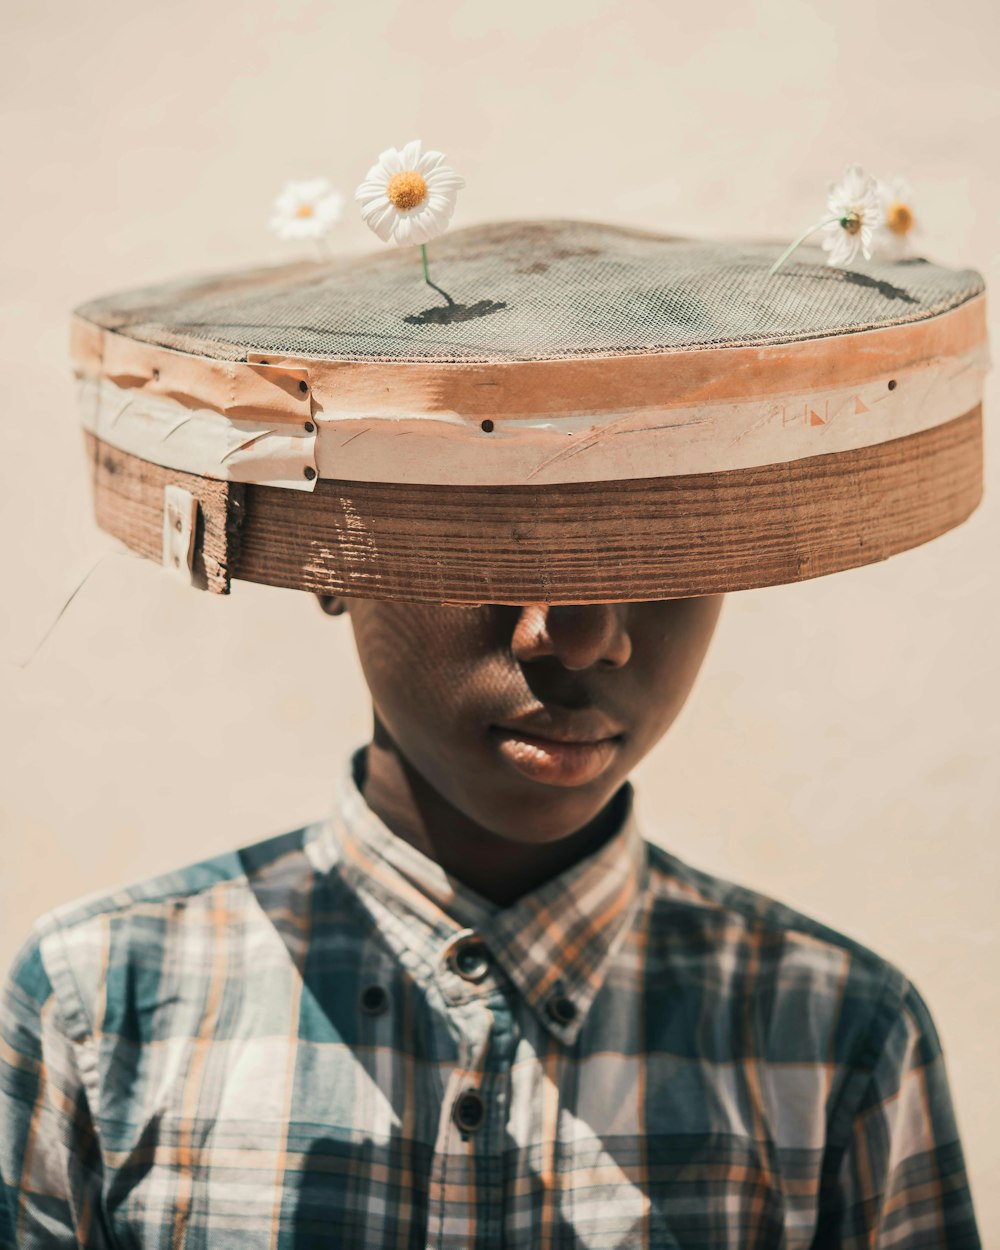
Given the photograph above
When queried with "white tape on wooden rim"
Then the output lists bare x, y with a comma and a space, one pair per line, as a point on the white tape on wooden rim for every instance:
451, 449
199, 440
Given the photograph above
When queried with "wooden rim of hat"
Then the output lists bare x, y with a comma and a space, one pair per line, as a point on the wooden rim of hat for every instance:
581, 413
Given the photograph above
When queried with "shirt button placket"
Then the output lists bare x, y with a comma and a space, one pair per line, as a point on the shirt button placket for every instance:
471, 1125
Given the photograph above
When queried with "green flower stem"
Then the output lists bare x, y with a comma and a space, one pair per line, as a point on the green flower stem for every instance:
427, 277
798, 243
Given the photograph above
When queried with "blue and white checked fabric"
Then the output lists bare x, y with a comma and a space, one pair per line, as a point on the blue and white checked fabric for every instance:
322, 1040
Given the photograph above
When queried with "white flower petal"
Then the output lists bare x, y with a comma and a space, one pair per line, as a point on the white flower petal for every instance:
429, 161
419, 233
854, 189
330, 211
410, 155
433, 221
444, 179
374, 208
379, 174
381, 215
390, 160
385, 229
300, 228
436, 204
839, 244
371, 191
383, 223
402, 231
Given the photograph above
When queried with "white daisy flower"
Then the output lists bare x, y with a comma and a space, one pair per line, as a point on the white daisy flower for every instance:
409, 195
306, 210
856, 212
894, 237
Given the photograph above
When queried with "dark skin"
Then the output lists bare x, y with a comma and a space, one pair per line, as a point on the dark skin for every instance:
503, 735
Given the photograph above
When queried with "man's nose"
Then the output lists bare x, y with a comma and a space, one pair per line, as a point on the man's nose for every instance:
578, 636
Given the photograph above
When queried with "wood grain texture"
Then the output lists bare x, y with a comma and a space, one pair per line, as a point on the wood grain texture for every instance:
646, 538
128, 502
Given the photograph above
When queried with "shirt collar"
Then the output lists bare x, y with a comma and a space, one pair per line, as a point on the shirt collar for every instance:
555, 943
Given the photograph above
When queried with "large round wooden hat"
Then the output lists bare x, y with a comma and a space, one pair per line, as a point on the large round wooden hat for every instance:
577, 413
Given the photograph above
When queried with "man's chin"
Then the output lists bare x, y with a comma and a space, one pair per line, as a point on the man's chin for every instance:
539, 814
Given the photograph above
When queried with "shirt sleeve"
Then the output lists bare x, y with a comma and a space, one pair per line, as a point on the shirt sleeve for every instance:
902, 1181
50, 1165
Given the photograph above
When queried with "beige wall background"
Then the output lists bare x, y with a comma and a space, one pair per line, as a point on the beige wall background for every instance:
841, 748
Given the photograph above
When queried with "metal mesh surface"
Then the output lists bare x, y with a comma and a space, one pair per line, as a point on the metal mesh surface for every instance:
534, 291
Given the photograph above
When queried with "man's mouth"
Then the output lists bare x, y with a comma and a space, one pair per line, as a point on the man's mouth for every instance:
559, 746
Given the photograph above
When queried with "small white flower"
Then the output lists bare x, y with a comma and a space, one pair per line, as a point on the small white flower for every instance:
409, 195
857, 211
894, 237
306, 210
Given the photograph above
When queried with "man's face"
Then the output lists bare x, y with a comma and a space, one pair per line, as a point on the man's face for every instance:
527, 720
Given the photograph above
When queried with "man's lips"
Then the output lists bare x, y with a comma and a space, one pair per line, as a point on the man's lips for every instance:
558, 746
563, 724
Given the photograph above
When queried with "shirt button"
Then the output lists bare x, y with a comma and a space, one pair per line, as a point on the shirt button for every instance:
374, 1000
561, 1009
468, 1110
471, 960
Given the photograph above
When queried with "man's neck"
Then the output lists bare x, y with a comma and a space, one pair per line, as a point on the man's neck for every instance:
497, 868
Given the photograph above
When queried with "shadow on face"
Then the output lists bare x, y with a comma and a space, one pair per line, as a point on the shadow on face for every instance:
527, 719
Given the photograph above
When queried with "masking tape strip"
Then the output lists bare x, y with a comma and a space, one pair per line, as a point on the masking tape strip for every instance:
249, 390
454, 450
671, 441
270, 452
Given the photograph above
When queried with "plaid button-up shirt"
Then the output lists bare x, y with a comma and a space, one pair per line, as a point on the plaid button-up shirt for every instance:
324, 1041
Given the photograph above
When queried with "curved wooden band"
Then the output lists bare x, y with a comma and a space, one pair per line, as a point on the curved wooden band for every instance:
646, 538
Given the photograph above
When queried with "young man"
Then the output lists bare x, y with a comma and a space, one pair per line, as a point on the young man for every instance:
475, 1007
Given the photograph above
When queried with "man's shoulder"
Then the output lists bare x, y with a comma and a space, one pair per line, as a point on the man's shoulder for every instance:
69, 946
788, 949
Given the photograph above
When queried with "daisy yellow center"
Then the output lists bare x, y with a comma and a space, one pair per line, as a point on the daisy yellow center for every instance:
304, 210
851, 222
406, 190
899, 218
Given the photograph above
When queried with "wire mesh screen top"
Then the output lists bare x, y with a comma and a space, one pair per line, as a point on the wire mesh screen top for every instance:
533, 291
